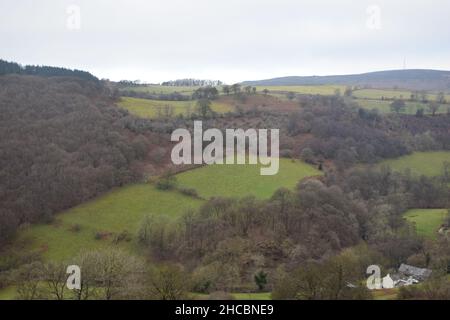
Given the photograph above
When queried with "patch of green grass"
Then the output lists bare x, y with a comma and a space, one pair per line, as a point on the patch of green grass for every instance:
426, 221
119, 210
313, 89
385, 294
421, 163
253, 296
8, 293
124, 208
244, 179
146, 108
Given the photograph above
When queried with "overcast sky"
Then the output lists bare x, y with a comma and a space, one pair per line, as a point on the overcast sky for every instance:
232, 40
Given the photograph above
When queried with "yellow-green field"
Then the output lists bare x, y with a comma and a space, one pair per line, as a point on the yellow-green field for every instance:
426, 221
115, 212
238, 296
420, 163
8, 293
385, 294
121, 210
239, 180
252, 296
146, 108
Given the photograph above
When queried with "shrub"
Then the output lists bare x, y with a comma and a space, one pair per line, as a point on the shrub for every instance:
260, 280
191, 192
166, 182
75, 228
122, 236
307, 155
98, 236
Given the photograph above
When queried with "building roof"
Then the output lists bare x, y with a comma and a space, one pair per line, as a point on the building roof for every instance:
421, 273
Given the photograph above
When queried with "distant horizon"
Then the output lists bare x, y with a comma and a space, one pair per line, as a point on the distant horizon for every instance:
143, 81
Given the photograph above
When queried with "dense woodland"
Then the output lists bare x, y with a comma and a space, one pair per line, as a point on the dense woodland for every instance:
63, 141
43, 71
227, 241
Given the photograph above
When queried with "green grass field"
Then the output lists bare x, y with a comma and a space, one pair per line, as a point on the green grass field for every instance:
318, 89
421, 163
124, 208
426, 221
253, 296
238, 180
119, 210
238, 296
8, 293
146, 108
385, 294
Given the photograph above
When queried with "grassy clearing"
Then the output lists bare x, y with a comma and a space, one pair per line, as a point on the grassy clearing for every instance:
147, 108
426, 221
385, 294
121, 210
237, 296
253, 296
8, 293
421, 163
318, 89
238, 180
115, 212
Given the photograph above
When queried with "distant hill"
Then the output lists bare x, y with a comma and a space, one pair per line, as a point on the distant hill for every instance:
418, 79
7, 67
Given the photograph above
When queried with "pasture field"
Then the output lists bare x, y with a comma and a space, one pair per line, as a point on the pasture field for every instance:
421, 163
313, 89
97, 223
8, 293
146, 108
244, 179
384, 106
426, 221
111, 214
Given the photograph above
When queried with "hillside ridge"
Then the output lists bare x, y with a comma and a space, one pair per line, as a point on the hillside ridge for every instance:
420, 79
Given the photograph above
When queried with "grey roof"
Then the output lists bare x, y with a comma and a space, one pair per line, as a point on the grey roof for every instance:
408, 270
